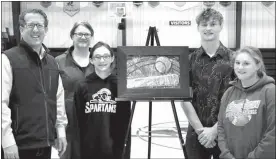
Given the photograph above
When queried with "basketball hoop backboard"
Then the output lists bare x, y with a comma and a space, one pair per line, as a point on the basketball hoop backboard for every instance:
117, 10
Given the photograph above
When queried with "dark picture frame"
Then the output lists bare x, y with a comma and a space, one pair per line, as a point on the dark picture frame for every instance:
175, 57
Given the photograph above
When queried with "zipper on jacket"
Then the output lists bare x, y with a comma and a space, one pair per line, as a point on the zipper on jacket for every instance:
50, 81
45, 103
47, 129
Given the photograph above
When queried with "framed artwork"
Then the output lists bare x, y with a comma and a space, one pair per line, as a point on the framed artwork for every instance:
153, 72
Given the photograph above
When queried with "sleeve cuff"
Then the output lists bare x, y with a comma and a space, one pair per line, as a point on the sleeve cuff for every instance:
61, 132
8, 141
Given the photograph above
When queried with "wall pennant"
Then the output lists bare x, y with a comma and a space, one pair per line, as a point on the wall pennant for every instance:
267, 3
209, 4
225, 3
45, 4
154, 4
181, 6
97, 3
138, 3
71, 8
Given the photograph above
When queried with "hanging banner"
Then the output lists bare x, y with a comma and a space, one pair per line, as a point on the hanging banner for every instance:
225, 3
60, 4
45, 4
97, 3
181, 6
154, 4
71, 8
209, 4
138, 3
267, 4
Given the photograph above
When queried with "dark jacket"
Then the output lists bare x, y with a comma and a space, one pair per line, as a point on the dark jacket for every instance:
103, 122
71, 73
33, 97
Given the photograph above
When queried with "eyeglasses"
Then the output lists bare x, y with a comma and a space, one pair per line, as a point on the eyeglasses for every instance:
105, 57
32, 25
86, 35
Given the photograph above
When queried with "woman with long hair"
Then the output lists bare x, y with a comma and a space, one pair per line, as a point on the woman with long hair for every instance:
246, 123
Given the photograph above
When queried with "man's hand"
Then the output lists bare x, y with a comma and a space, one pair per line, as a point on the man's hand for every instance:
199, 131
11, 152
208, 136
212, 144
60, 145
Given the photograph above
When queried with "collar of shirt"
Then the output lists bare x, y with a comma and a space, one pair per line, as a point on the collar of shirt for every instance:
71, 59
43, 51
220, 51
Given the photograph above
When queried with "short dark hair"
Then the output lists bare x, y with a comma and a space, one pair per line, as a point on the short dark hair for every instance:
209, 13
100, 44
83, 23
37, 11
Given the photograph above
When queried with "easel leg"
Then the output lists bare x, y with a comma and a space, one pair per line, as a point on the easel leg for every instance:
149, 128
178, 128
128, 129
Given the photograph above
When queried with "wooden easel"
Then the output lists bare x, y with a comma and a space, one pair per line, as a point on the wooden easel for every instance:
152, 33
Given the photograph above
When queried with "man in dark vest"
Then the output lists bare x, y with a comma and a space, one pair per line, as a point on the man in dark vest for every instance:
33, 111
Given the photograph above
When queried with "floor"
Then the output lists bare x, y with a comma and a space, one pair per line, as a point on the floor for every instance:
165, 141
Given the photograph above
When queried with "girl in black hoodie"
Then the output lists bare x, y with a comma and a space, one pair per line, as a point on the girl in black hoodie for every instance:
102, 121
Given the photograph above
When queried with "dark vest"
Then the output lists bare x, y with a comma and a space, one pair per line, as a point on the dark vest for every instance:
33, 97
71, 73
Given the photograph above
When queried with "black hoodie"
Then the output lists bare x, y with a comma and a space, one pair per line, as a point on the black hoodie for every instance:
103, 121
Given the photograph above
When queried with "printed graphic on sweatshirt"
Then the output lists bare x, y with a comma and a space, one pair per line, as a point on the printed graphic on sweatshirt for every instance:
239, 112
101, 102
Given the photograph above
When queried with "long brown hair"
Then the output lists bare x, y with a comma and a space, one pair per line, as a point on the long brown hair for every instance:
255, 53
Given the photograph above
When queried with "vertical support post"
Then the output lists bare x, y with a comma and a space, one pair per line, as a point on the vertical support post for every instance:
124, 36
178, 127
15, 18
128, 129
149, 129
238, 23
122, 27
